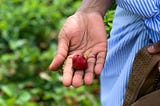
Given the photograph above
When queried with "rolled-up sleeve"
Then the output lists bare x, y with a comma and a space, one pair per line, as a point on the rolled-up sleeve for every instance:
148, 9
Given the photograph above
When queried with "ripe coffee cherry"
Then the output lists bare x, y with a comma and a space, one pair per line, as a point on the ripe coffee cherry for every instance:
79, 62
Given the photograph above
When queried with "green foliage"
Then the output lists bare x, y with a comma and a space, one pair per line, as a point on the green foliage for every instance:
28, 40
109, 17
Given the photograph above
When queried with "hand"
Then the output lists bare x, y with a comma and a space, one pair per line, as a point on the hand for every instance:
154, 49
80, 34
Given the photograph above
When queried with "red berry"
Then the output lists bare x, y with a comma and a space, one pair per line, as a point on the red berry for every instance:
79, 62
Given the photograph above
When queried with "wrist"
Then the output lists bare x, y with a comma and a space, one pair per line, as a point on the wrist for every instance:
94, 6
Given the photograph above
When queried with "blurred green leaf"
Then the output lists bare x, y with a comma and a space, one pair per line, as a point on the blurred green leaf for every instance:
15, 44
10, 89
23, 97
2, 102
10, 101
3, 25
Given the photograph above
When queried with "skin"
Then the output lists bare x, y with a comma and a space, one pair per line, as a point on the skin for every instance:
82, 33
154, 49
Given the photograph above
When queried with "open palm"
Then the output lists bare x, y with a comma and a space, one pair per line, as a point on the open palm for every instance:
81, 34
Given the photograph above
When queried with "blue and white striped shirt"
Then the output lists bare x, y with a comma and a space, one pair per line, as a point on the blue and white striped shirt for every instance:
136, 23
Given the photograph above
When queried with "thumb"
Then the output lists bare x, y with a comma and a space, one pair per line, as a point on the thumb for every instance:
62, 51
153, 49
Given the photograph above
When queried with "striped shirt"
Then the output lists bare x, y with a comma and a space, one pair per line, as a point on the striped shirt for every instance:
136, 24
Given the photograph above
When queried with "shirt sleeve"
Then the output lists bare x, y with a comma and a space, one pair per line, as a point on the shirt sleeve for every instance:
148, 9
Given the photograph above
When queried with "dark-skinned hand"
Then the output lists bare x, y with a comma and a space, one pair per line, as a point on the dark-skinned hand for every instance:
82, 33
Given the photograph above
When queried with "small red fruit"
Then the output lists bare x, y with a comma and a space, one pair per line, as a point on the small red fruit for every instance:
79, 62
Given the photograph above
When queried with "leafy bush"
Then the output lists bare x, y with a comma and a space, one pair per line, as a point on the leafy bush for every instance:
28, 40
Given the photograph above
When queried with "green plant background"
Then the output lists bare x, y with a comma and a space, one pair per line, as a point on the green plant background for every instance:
28, 40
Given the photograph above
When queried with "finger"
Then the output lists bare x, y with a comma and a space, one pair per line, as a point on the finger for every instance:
77, 79
159, 66
78, 75
61, 54
67, 72
89, 73
153, 49
100, 62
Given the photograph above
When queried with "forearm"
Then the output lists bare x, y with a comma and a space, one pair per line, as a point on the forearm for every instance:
99, 6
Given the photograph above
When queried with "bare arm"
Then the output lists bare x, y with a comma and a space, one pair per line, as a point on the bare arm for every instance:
99, 6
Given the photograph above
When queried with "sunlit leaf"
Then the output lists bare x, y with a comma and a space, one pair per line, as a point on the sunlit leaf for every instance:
23, 96
10, 89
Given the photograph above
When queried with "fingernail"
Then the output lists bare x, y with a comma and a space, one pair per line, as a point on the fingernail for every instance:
159, 69
150, 48
50, 66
